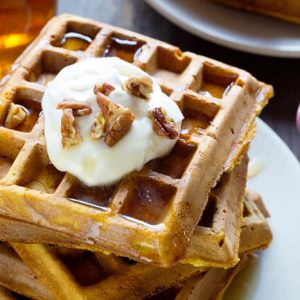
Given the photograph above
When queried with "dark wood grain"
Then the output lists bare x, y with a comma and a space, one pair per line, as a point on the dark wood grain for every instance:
283, 74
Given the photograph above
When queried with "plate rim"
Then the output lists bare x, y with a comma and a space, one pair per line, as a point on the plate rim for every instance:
158, 6
278, 139
272, 196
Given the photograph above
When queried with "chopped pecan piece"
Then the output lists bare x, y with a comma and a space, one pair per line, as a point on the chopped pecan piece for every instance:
139, 87
69, 129
16, 116
79, 108
98, 127
163, 125
104, 88
118, 119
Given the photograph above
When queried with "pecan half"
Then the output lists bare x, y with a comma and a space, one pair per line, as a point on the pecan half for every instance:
16, 116
69, 129
104, 88
139, 87
163, 125
79, 108
118, 119
98, 127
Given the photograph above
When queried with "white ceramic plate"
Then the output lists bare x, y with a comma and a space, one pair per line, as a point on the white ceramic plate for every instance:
235, 29
275, 275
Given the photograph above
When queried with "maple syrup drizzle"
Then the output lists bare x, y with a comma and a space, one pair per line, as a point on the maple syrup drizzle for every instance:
98, 197
213, 90
147, 200
123, 48
75, 41
195, 122
216, 81
193, 126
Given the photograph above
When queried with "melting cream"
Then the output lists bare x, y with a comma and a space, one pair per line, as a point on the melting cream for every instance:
92, 161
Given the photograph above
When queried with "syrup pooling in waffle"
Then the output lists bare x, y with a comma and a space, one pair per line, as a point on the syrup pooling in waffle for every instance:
76, 38
221, 126
198, 115
123, 48
75, 41
216, 82
98, 196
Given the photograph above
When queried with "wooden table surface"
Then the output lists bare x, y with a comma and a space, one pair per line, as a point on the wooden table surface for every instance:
283, 74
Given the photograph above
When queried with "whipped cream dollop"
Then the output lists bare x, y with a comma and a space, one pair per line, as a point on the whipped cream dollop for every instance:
93, 161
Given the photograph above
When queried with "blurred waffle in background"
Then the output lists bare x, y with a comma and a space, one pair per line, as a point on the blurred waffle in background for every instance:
287, 10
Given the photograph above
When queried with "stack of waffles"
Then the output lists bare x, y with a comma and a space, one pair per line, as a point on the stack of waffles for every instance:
180, 228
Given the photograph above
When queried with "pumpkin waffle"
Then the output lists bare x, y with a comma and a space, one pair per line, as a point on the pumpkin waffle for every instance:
78, 274
214, 243
210, 285
207, 285
288, 10
219, 103
14, 273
